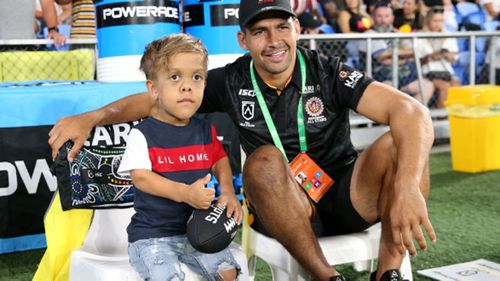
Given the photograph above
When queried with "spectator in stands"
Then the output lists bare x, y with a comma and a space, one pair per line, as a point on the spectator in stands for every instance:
382, 51
372, 4
353, 18
492, 8
17, 20
438, 55
310, 23
409, 18
63, 12
83, 25
396, 4
331, 10
450, 16
311, 6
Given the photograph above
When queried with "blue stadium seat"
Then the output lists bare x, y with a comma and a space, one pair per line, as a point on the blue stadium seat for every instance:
460, 73
466, 8
490, 25
463, 44
481, 44
326, 28
353, 54
476, 18
461, 66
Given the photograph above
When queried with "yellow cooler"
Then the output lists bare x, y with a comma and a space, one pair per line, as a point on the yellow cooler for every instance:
474, 115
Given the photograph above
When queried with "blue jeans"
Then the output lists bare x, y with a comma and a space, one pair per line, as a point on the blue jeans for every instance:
158, 259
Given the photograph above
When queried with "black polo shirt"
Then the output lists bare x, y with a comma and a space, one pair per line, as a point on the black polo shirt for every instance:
331, 89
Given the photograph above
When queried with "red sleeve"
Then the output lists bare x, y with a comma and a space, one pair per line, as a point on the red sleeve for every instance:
217, 149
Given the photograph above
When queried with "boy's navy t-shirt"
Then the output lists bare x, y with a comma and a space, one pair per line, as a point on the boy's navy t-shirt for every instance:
179, 153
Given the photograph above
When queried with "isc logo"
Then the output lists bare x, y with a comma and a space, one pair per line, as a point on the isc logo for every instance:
231, 12
246, 93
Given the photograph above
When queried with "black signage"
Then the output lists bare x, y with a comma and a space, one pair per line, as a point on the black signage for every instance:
193, 15
222, 15
26, 183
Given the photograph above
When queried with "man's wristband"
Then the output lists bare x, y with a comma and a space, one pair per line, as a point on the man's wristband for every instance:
55, 28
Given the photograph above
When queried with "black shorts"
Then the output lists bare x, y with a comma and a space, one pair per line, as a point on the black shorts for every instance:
335, 214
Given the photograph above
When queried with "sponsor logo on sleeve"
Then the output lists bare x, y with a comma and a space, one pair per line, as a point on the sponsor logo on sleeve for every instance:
353, 78
309, 89
343, 75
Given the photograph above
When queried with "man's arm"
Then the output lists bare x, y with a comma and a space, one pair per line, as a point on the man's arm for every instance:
413, 134
77, 128
50, 18
385, 57
491, 10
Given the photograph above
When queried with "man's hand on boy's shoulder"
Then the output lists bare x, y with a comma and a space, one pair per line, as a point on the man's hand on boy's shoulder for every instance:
233, 206
75, 128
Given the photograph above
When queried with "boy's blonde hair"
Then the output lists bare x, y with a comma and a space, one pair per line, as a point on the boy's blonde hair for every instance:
158, 52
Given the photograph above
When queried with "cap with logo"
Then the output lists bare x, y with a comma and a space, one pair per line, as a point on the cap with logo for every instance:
250, 9
308, 20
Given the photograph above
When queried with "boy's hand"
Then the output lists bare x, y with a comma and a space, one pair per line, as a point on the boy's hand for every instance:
232, 204
199, 197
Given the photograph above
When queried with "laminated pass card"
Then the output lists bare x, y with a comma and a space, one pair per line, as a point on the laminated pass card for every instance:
310, 176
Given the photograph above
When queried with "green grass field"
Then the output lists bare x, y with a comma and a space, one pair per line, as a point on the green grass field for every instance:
464, 209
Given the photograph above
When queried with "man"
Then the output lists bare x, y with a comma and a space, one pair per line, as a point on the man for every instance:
17, 20
382, 54
310, 23
388, 182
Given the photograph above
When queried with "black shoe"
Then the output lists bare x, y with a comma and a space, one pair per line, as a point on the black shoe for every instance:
337, 278
389, 275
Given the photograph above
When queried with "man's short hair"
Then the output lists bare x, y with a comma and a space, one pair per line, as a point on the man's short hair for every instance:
382, 3
158, 52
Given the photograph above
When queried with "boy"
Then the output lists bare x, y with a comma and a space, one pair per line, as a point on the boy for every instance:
169, 156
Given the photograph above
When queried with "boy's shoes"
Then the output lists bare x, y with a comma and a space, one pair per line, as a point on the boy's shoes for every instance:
337, 278
389, 275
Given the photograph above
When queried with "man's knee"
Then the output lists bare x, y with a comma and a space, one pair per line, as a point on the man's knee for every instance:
266, 166
261, 160
385, 149
264, 154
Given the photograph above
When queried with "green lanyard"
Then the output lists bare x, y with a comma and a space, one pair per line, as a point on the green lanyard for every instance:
267, 116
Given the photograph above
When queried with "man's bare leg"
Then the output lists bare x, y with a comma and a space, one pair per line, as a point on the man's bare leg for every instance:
283, 208
373, 178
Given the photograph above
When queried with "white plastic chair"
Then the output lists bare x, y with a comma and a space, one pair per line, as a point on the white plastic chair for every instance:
104, 257
359, 249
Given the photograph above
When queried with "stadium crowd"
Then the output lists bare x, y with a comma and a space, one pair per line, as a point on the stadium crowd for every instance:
439, 57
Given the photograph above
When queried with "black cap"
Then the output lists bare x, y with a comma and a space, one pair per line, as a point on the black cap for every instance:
250, 9
308, 20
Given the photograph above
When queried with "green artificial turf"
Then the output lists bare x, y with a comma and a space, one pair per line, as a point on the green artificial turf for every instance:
464, 209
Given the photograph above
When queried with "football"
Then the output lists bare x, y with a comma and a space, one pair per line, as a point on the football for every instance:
210, 230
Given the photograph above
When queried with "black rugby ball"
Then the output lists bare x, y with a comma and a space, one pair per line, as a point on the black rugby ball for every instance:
210, 230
